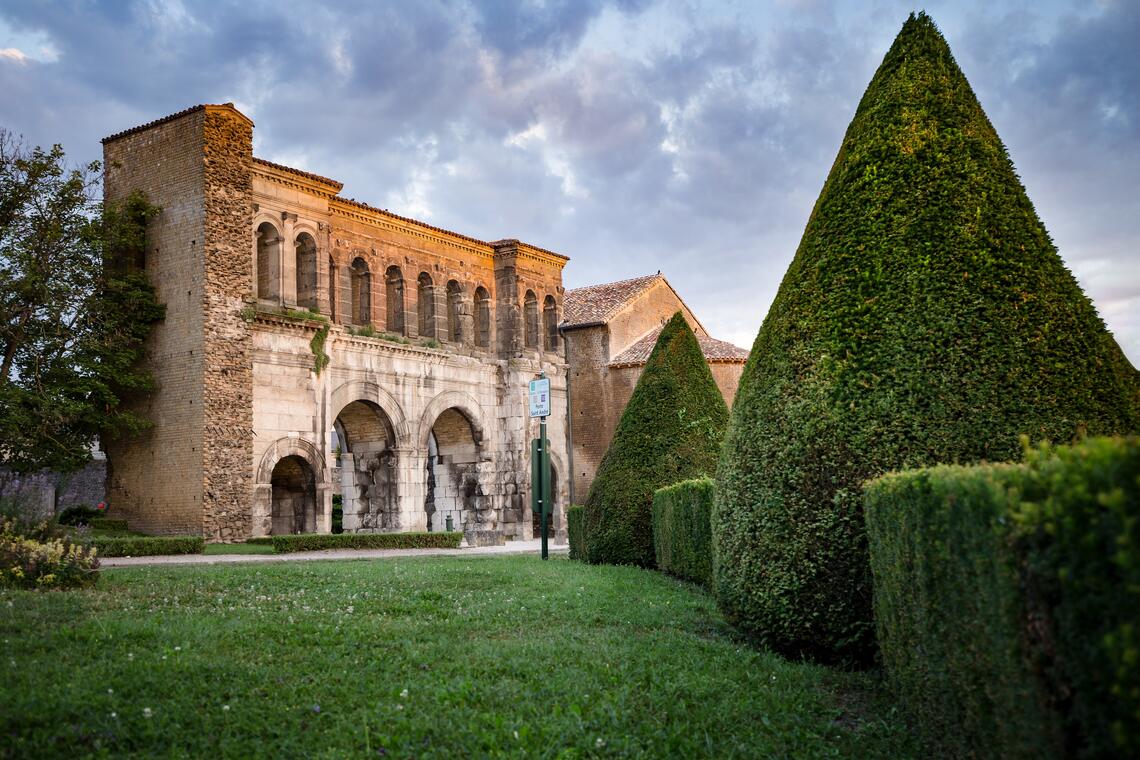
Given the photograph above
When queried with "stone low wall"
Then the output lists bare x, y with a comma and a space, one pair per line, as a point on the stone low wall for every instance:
45, 493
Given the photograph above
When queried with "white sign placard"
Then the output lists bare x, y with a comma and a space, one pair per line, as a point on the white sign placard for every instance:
540, 397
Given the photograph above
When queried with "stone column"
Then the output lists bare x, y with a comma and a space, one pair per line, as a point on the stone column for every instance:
411, 480
289, 261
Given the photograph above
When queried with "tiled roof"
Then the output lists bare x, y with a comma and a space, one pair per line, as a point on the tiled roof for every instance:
713, 349
597, 303
172, 117
291, 170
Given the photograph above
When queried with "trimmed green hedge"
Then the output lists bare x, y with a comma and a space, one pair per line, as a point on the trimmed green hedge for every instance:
670, 430
926, 318
576, 531
260, 540
306, 542
682, 531
145, 546
107, 523
1007, 599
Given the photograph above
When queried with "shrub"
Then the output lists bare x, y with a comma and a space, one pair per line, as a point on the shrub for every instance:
107, 523
1007, 601
145, 546
682, 533
53, 562
260, 540
926, 318
305, 542
575, 531
671, 430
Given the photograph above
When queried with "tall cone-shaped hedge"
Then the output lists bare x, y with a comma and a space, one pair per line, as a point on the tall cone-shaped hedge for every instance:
671, 430
925, 318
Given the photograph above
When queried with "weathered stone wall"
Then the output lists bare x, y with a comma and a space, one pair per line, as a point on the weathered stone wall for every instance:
648, 311
154, 480
227, 439
727, 377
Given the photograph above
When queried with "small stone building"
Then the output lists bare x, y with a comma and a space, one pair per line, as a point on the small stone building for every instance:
310, 338
609, 331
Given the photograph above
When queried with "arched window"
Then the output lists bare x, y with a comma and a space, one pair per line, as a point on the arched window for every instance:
454, 311
530, 319
361, 293
394, 295
332, 288
268, 262
482, 317
425, 305
306, 249
550, 323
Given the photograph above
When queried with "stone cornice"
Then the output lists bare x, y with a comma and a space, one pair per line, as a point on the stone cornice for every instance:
377, 217
295, 178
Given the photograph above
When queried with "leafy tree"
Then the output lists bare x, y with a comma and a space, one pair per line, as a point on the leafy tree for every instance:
670, 431
926, 317
75, 307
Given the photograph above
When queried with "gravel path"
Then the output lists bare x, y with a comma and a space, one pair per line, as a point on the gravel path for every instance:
511, 547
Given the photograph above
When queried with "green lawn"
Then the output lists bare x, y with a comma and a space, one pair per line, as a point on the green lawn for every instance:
425, 657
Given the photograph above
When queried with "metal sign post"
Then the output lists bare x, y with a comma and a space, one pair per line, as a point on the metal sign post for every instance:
540, 486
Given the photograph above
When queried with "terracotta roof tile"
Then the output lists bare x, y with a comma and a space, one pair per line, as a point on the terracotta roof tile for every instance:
597, 303
713, 349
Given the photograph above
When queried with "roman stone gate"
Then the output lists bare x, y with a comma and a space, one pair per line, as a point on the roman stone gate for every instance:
316, 346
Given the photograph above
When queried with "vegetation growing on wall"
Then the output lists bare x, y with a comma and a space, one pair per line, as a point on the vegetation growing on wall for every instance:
670, 431
926, 317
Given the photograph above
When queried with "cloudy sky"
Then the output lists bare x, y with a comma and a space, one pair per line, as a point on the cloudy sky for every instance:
689, 136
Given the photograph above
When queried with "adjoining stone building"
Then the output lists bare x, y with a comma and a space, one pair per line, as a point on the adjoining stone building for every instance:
430, 338
609, 332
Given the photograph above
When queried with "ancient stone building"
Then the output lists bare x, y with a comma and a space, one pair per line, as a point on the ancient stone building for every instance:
310, 338
609, 331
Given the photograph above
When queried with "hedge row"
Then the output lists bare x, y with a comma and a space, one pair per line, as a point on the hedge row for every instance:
576, 531
305, 542
107, 523
682, 530
1007, 600
144, 546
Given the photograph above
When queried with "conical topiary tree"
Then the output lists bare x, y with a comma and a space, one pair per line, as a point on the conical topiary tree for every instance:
926, 317
670, 431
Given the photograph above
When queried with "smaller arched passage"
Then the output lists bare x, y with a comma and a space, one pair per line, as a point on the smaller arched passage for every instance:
306, 262
394, 298
294, 497
550, 324
361, 293
268, 244
530, 320
454, 494
369, 468
425, 305
482, 317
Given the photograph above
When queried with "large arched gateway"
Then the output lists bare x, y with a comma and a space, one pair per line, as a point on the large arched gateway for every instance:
368, 459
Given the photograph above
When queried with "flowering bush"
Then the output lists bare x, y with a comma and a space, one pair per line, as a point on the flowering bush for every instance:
43, 561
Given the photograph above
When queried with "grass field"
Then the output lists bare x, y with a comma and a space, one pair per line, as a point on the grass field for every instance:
425, 657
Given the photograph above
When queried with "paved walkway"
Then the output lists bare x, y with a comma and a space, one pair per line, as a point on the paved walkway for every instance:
510, 547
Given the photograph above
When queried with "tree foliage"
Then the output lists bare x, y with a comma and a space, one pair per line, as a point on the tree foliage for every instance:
670, 431
926, 317
76, 309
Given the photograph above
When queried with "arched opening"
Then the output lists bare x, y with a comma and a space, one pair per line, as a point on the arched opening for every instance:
482, 317
530, 319
550, 323
364, 436
452, 479
361, 293
306, 249
536, 519
294, 499
394, 296
332, 288
425, 305
268, 262
454, 311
